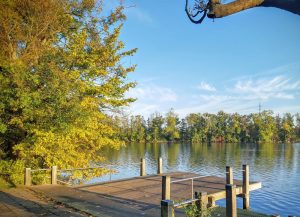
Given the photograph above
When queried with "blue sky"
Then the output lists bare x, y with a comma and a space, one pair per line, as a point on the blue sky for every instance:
230, 64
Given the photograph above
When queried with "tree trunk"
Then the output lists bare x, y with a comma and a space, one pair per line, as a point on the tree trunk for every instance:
218, 10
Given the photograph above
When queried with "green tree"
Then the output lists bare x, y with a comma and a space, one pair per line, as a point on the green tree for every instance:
60, 79
155, 127
297, 127
286, 131
246, 124
183, 131
192, 128
210, 127
171, 131
221, 126
233, 130
137, 129
265, 126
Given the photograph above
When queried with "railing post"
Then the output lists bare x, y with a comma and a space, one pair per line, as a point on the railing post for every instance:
27, 177
159, 166
167, 209
231, 201
166, 188
229, 175
246, 194
211, 201
54, 175
201, 203
143, 167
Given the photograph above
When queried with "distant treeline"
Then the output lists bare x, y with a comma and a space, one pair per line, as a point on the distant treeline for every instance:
220, 127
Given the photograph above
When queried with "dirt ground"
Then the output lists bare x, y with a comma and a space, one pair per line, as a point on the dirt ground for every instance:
15, 202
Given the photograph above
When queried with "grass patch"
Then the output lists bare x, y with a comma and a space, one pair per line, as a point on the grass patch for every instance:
4, 184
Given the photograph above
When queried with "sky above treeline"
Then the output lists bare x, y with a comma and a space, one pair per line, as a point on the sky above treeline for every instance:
231, 64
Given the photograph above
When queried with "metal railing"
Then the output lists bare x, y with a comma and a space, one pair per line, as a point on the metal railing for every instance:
187, 179
203, 200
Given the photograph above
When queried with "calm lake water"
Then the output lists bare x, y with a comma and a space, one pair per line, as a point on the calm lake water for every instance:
277, 166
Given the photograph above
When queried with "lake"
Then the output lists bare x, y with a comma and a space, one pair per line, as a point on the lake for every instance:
277, 166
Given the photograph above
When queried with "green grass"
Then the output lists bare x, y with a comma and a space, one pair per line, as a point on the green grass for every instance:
4, 184
221, 211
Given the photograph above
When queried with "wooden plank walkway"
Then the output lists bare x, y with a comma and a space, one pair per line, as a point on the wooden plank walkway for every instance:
139, 196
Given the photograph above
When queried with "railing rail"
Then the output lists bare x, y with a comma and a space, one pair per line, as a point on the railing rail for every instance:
186, 179
192, 185
54, 171
38, 170
87, 168
179, 204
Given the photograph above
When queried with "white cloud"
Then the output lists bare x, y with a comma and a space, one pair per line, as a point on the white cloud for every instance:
215, 103
213, 97
278, 93
278, 87
151, 98
139, 14
205, 86
245, 96
153, 92
143, 109
292, 69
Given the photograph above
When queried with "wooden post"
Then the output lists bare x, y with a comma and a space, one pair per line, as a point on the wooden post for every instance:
246, 193
166, 188
143, 167
211, 201
167, 209
27, 177
229, 175
201, 203
159, 166
54, 175
231, 201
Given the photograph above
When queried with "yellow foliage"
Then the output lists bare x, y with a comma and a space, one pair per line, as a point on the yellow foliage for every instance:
61, 79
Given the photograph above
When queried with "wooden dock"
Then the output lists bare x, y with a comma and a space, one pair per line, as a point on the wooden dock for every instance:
139, 196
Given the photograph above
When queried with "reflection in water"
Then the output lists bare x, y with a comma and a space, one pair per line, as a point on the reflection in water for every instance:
275, 165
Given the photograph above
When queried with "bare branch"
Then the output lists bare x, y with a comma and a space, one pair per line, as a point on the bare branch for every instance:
199, 7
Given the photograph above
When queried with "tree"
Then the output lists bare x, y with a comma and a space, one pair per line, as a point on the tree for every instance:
297, 128
215, 9
61, 78
137, 128
192, 134
155, 127
205, 128
247, 127
171, 130
221, 126
233, 128
183, 130
286, 131
265, 126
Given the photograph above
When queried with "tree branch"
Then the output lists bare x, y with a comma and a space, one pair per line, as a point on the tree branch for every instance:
218, 10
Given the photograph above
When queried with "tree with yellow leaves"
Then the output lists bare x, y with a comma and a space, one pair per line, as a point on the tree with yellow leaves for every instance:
61, 78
